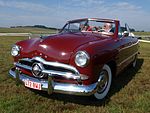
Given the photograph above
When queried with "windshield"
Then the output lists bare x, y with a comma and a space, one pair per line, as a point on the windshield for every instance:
95, 26
74, 26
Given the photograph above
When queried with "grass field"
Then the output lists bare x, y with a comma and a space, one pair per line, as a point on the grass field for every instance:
27, 30
130, 92
142, 33
44, 31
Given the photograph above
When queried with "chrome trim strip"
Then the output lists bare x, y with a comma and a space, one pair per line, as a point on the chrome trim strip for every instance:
63, 74
129, 46
127, 59
26, 59
64, 88
23, 66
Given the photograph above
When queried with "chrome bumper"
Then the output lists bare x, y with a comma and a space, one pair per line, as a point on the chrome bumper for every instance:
64, 88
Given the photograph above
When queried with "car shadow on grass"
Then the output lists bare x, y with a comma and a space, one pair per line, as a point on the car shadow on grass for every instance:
118, 83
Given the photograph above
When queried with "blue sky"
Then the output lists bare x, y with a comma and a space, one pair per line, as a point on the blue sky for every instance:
55, 13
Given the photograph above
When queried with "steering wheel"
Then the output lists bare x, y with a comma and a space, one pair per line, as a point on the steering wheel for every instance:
101, 30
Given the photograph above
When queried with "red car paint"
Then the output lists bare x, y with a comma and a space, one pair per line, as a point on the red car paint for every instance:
102, 49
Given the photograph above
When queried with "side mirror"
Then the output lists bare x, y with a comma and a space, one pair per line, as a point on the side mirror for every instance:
125, 34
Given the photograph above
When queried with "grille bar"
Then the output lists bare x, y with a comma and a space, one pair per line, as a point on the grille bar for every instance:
72, 74
56, 64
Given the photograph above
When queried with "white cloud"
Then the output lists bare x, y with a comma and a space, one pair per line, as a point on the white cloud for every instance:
126, 12
127, 6
24, 6
72, 9
84, 3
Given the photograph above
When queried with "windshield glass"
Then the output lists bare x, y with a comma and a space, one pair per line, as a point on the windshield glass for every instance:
95, 26
73, 26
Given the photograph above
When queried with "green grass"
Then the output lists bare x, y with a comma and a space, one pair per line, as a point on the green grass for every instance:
27, 30
130, 92
142, 33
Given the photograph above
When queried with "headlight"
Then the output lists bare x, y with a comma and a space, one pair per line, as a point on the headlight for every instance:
82, 59
15, 50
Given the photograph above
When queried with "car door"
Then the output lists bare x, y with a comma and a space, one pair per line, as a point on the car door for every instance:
125, 48
132, 42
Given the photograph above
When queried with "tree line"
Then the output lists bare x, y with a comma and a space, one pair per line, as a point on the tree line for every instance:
34, 26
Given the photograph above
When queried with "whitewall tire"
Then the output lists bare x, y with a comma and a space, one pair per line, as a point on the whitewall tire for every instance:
134, 62
104, 82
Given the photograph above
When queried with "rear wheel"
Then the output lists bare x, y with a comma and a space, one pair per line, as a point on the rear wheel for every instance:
104, 82
134, 62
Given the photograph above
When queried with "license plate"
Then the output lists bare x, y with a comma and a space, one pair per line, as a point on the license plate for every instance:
33, 85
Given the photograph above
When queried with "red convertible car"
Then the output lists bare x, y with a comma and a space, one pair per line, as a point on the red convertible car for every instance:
81, 59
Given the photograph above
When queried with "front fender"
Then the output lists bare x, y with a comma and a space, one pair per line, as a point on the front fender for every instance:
100, 53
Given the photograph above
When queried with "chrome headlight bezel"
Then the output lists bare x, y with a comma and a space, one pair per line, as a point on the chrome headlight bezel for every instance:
82, 58
15, 50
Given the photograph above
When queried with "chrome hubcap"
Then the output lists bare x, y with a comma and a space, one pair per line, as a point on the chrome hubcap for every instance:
103, 81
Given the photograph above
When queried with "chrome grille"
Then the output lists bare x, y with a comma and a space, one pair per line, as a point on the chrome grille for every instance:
57, 69
52, 68
24, 62
47, 67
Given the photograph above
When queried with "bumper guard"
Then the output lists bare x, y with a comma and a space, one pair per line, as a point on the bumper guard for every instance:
50, 86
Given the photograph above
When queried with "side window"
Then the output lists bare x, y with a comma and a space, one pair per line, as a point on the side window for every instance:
129, 32
74, 27
127, 28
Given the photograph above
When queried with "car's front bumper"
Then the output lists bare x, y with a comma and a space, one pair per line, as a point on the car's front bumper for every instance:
50, 86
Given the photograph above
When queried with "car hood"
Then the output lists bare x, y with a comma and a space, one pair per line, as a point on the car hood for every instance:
56, 47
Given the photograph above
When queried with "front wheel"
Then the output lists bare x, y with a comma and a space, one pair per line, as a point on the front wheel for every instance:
104, 82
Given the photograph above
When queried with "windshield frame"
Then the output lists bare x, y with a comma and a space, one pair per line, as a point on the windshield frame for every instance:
71, 22
86, 23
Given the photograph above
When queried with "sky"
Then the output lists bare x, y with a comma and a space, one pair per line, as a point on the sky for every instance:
55, 13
